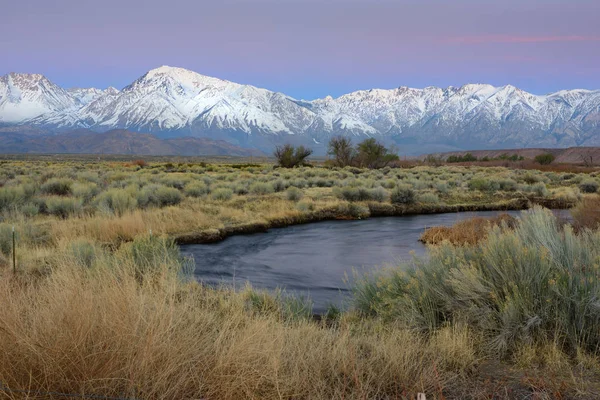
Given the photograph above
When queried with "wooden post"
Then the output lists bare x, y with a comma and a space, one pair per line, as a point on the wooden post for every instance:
14, 251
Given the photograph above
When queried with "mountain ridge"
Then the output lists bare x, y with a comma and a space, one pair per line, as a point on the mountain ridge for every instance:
176, 102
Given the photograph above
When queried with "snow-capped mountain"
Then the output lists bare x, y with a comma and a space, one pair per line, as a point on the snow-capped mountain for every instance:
27, 96
174, 102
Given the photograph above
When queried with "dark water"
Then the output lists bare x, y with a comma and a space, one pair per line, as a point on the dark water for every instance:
317, 260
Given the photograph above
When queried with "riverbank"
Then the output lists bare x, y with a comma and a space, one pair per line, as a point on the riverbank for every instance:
372, 210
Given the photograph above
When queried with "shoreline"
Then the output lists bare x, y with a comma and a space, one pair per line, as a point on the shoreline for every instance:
375, 210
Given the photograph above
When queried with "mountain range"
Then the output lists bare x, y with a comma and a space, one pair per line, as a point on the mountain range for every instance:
171, 102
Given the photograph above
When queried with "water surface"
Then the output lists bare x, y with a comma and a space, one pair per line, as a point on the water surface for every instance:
317, 260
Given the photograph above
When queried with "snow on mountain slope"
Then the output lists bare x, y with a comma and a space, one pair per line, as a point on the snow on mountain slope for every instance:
178, 102
26, 96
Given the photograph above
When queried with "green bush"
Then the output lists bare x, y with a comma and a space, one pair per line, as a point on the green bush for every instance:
222, 194
481, 184
196, 189
58, 187
522, 286
261, 188
294, 194
158, 196
85, 190
403, 194
11, 197
544, 159
378, 194
428, 198
279, 185
588, 186
63, 207
116, 201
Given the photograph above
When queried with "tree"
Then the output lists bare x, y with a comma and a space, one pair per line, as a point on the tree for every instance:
372, 154
342, 150
289, 156
544, 159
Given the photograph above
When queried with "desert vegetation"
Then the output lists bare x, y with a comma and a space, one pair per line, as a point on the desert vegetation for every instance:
103, 303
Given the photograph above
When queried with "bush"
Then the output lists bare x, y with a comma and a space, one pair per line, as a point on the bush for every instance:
222, 194
56, 186
116, 201
481, 184
158, 196
379, 194
11, 197
544, 159
63, 207
86, 191
428, 198
294, 194
279, 185
289, 156
403, 194
196, 189
508, 185
261, 188
168, 196
540, 189
588, 186
521, 286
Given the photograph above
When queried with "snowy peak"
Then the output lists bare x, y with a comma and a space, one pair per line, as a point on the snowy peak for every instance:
27, 96
179, 102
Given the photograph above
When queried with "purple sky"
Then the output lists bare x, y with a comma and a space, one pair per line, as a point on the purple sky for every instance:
308, 48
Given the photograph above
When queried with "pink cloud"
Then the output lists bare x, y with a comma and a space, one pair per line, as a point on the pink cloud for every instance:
519, 39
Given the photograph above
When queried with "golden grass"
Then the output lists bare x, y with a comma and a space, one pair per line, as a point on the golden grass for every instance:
101, 332
468, 232
587, 213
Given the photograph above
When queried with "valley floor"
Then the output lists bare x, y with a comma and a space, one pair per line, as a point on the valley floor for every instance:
101, 301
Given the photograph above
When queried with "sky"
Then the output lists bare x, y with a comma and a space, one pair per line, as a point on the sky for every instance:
308, 48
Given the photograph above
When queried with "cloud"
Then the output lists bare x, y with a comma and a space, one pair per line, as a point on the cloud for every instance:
484, 39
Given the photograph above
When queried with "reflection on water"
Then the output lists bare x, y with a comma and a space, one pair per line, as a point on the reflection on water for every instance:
316, 260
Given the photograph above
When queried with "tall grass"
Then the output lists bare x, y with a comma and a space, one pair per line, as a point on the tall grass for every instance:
104, 331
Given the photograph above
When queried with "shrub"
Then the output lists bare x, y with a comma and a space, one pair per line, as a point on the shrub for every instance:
56, 186
294, 194
588, 186
158, 196
289, 156
403, 194
540, 189
261, 188
85, 190
544, 159
11, 197
428, 198
521, 286
63, 207
379, 194
168, 196
531, 179
196, 189
116, 201
83, 251
480, 184
222, 194
508, 185
279, 185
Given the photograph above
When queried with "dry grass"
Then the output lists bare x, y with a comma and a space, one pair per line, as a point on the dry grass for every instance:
587, 213
102, 332
467, 232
